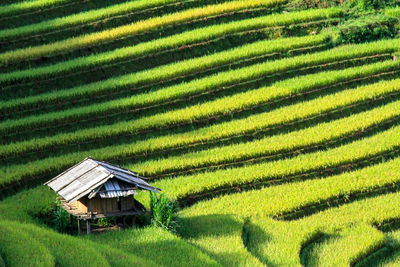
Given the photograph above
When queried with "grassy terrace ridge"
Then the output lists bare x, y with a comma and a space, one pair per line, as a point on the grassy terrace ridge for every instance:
207, 84
228, 105
395, 12
66, 250
166, 72
304, 195
28, 5
269, 146
144, 25
249, 50
184, 186
282, 243
356, 151
355, 241
276, 117
393, 259
275, 92
15, 252
173, 93
273, 125
96, 38
93, 15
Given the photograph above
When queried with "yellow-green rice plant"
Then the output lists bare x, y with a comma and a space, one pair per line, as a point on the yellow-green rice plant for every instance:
142, 26
130, 6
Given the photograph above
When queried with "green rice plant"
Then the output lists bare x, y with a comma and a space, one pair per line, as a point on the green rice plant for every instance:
183, 90
106, 12
18, 249
393, 259
227, 105
70, 251
347, 247
22, 6
246, 51
303, 196
303, 244
27, 205
182, 187
257, 122
280, 243
220, 236
270, 145
156, 244
169, 71
2, 263
245, 25
394, 12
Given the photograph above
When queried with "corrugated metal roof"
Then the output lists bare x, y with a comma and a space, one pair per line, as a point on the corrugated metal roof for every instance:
114, 188
90, 175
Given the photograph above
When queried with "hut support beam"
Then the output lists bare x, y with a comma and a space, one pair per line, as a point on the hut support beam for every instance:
124, 221
88, 229
133, 222
79, 227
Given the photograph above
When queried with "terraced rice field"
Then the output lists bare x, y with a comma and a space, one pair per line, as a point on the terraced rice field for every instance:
281, 146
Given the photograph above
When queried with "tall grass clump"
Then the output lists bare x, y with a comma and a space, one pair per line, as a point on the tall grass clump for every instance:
61, 218
163, 212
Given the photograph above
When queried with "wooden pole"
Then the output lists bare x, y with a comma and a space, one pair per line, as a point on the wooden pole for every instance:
124, 221
79, 227
133, 222
115, 220
88, 230
70, 218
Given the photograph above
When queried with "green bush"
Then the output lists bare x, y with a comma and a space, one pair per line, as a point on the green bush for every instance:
163, 212
370, 5
305, 4
368, 28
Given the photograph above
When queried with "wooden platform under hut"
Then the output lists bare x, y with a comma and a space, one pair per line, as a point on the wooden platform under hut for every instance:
94, 189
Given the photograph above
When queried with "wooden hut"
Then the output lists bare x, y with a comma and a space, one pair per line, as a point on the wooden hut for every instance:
95, 189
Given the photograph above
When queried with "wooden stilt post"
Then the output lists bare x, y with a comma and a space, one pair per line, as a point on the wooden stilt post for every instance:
88, 230
133, 222
115, 220
79, 227
124, 221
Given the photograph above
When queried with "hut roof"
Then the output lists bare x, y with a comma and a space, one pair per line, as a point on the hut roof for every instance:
92, 177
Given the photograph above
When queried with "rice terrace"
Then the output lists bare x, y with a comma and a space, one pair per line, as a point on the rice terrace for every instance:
264, 132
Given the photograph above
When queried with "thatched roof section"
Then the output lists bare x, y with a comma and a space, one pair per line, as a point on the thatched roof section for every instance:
93, 177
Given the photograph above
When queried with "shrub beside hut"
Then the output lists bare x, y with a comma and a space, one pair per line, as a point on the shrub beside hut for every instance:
94, 189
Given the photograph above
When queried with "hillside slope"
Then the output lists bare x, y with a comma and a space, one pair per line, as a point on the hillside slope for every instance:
278, 137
